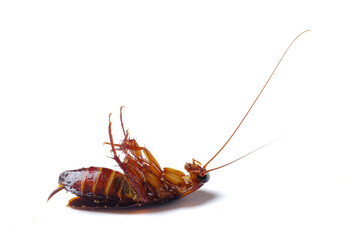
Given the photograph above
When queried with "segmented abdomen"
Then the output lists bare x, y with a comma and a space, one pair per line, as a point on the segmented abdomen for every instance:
98, 183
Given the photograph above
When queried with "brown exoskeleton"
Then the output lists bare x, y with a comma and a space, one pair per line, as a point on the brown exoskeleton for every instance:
143, 181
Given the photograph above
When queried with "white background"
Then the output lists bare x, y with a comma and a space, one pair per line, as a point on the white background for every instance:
187, 71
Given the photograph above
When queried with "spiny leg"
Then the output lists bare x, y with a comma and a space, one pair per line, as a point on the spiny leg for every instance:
130, 144
135, 181
139, 152
115, 156
121, 122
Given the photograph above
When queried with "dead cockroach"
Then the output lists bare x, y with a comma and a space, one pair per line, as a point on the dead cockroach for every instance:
143, 181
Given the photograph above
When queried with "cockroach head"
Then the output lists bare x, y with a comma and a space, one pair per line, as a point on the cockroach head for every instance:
196, 171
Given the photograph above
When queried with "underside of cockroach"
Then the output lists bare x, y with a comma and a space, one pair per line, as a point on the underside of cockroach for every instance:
142, 182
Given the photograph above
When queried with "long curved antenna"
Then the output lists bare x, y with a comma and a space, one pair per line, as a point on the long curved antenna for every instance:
259, 94
242, 156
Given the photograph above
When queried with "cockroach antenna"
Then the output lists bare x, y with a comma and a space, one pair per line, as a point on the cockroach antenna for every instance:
254, 102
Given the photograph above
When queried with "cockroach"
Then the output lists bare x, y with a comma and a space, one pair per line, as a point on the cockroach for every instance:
143, 181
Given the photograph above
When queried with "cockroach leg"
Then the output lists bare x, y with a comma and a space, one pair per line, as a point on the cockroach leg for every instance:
121, 122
